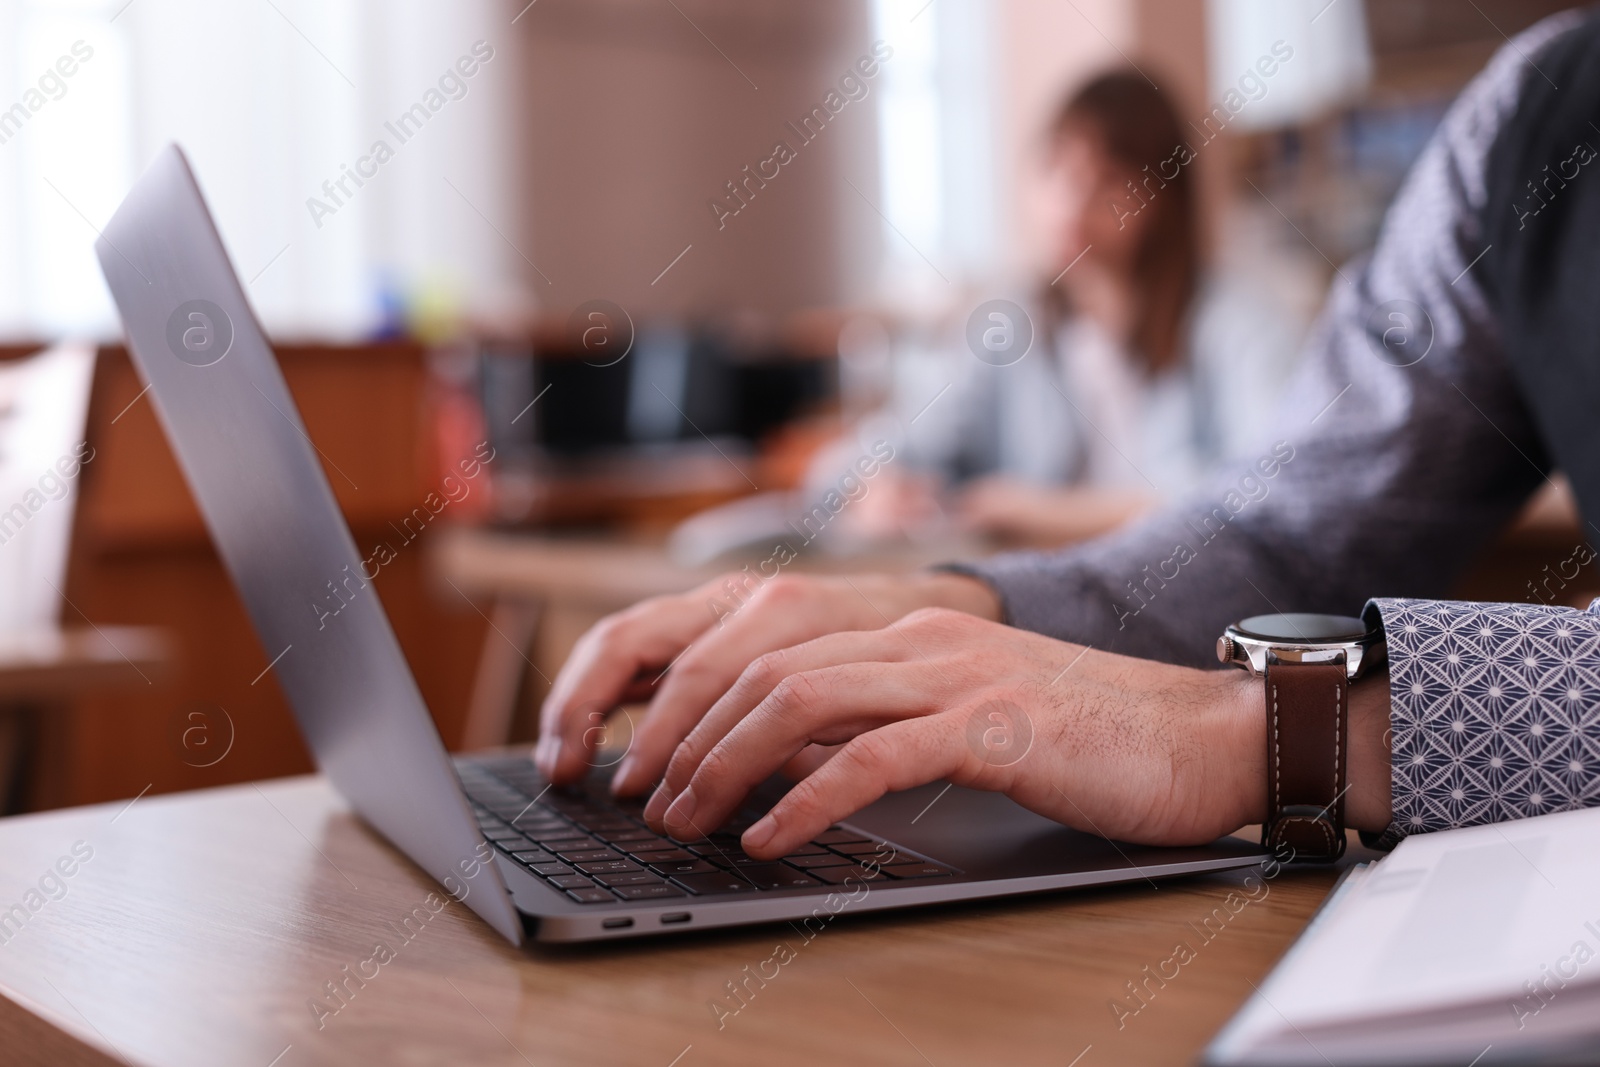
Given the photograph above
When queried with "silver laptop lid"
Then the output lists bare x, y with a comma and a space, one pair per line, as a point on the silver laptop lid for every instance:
238, 437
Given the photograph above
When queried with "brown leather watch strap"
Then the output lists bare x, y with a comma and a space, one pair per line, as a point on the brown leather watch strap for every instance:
1307, 731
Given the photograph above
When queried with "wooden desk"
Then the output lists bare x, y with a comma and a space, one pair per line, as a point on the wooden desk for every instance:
204, 923
56, 664
605, 573
41, 672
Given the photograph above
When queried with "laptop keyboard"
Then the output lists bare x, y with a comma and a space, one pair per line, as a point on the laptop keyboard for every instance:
598, 850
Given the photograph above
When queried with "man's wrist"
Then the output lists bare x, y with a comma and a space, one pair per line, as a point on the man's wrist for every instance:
871, 600
1367, 804
1238, 740
959, 592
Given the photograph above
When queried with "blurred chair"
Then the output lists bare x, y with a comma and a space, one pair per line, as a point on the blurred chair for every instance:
44, 399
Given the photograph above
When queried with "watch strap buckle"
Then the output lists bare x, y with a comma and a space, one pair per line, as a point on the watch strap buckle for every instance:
1308, 832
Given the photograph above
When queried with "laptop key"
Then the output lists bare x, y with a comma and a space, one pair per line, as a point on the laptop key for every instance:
591, 896
558, 840
826, 859
864, 848
658, 855
587, 855
838, 836
530, 858
918, 870
572, 809
727, 859
515, 847
719, 882
571, 881
520, 844
550, 868
648, 892
608, 867
602, 825
628, 878
509, 810
777, 876
501, 833
639, 833
677, 867
838, 875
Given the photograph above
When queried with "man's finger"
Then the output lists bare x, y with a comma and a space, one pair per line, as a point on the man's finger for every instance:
756, 683
899, 756
604, 666
826, 706
707, 670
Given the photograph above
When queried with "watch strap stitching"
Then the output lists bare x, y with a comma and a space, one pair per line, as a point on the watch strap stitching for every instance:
1332, 820
1277, 759
1340, 694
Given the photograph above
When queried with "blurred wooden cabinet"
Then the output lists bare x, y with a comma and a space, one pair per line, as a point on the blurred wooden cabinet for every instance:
142, 555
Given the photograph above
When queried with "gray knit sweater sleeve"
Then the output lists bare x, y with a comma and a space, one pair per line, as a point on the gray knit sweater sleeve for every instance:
1402, 446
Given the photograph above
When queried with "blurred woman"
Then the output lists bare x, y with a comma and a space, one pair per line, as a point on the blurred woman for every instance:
1145, 368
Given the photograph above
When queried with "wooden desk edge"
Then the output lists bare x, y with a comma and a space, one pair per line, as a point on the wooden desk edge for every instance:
78, 659
33, 1035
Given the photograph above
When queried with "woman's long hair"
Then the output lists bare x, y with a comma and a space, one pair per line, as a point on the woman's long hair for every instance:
1139, 128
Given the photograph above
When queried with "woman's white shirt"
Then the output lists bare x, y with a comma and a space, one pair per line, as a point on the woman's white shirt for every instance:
1076, 410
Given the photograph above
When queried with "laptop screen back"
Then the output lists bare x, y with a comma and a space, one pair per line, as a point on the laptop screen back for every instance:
221, 398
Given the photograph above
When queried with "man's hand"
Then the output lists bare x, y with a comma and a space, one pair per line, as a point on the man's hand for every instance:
1121, 747
684, 652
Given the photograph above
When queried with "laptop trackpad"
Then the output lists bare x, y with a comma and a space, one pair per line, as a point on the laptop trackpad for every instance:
991, 836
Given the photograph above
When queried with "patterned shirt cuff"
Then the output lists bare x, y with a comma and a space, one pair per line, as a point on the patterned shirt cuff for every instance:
1494, 712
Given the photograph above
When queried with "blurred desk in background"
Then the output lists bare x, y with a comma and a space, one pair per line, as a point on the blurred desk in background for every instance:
141, 556
1543, 557
545, 590
206, 926
51, 665
638, 491
41, 671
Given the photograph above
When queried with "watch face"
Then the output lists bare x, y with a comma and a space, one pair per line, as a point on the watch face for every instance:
1303, 628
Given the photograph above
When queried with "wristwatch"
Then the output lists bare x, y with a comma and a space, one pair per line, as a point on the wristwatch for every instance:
1308, 662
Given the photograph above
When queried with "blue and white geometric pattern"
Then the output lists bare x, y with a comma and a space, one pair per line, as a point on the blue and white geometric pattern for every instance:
1495, 711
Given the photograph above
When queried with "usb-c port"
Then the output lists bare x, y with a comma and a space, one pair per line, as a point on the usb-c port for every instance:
674, 917
617, 924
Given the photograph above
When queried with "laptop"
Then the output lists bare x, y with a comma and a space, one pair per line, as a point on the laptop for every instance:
535, 863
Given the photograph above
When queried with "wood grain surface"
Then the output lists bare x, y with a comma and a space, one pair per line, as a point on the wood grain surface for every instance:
205, 926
